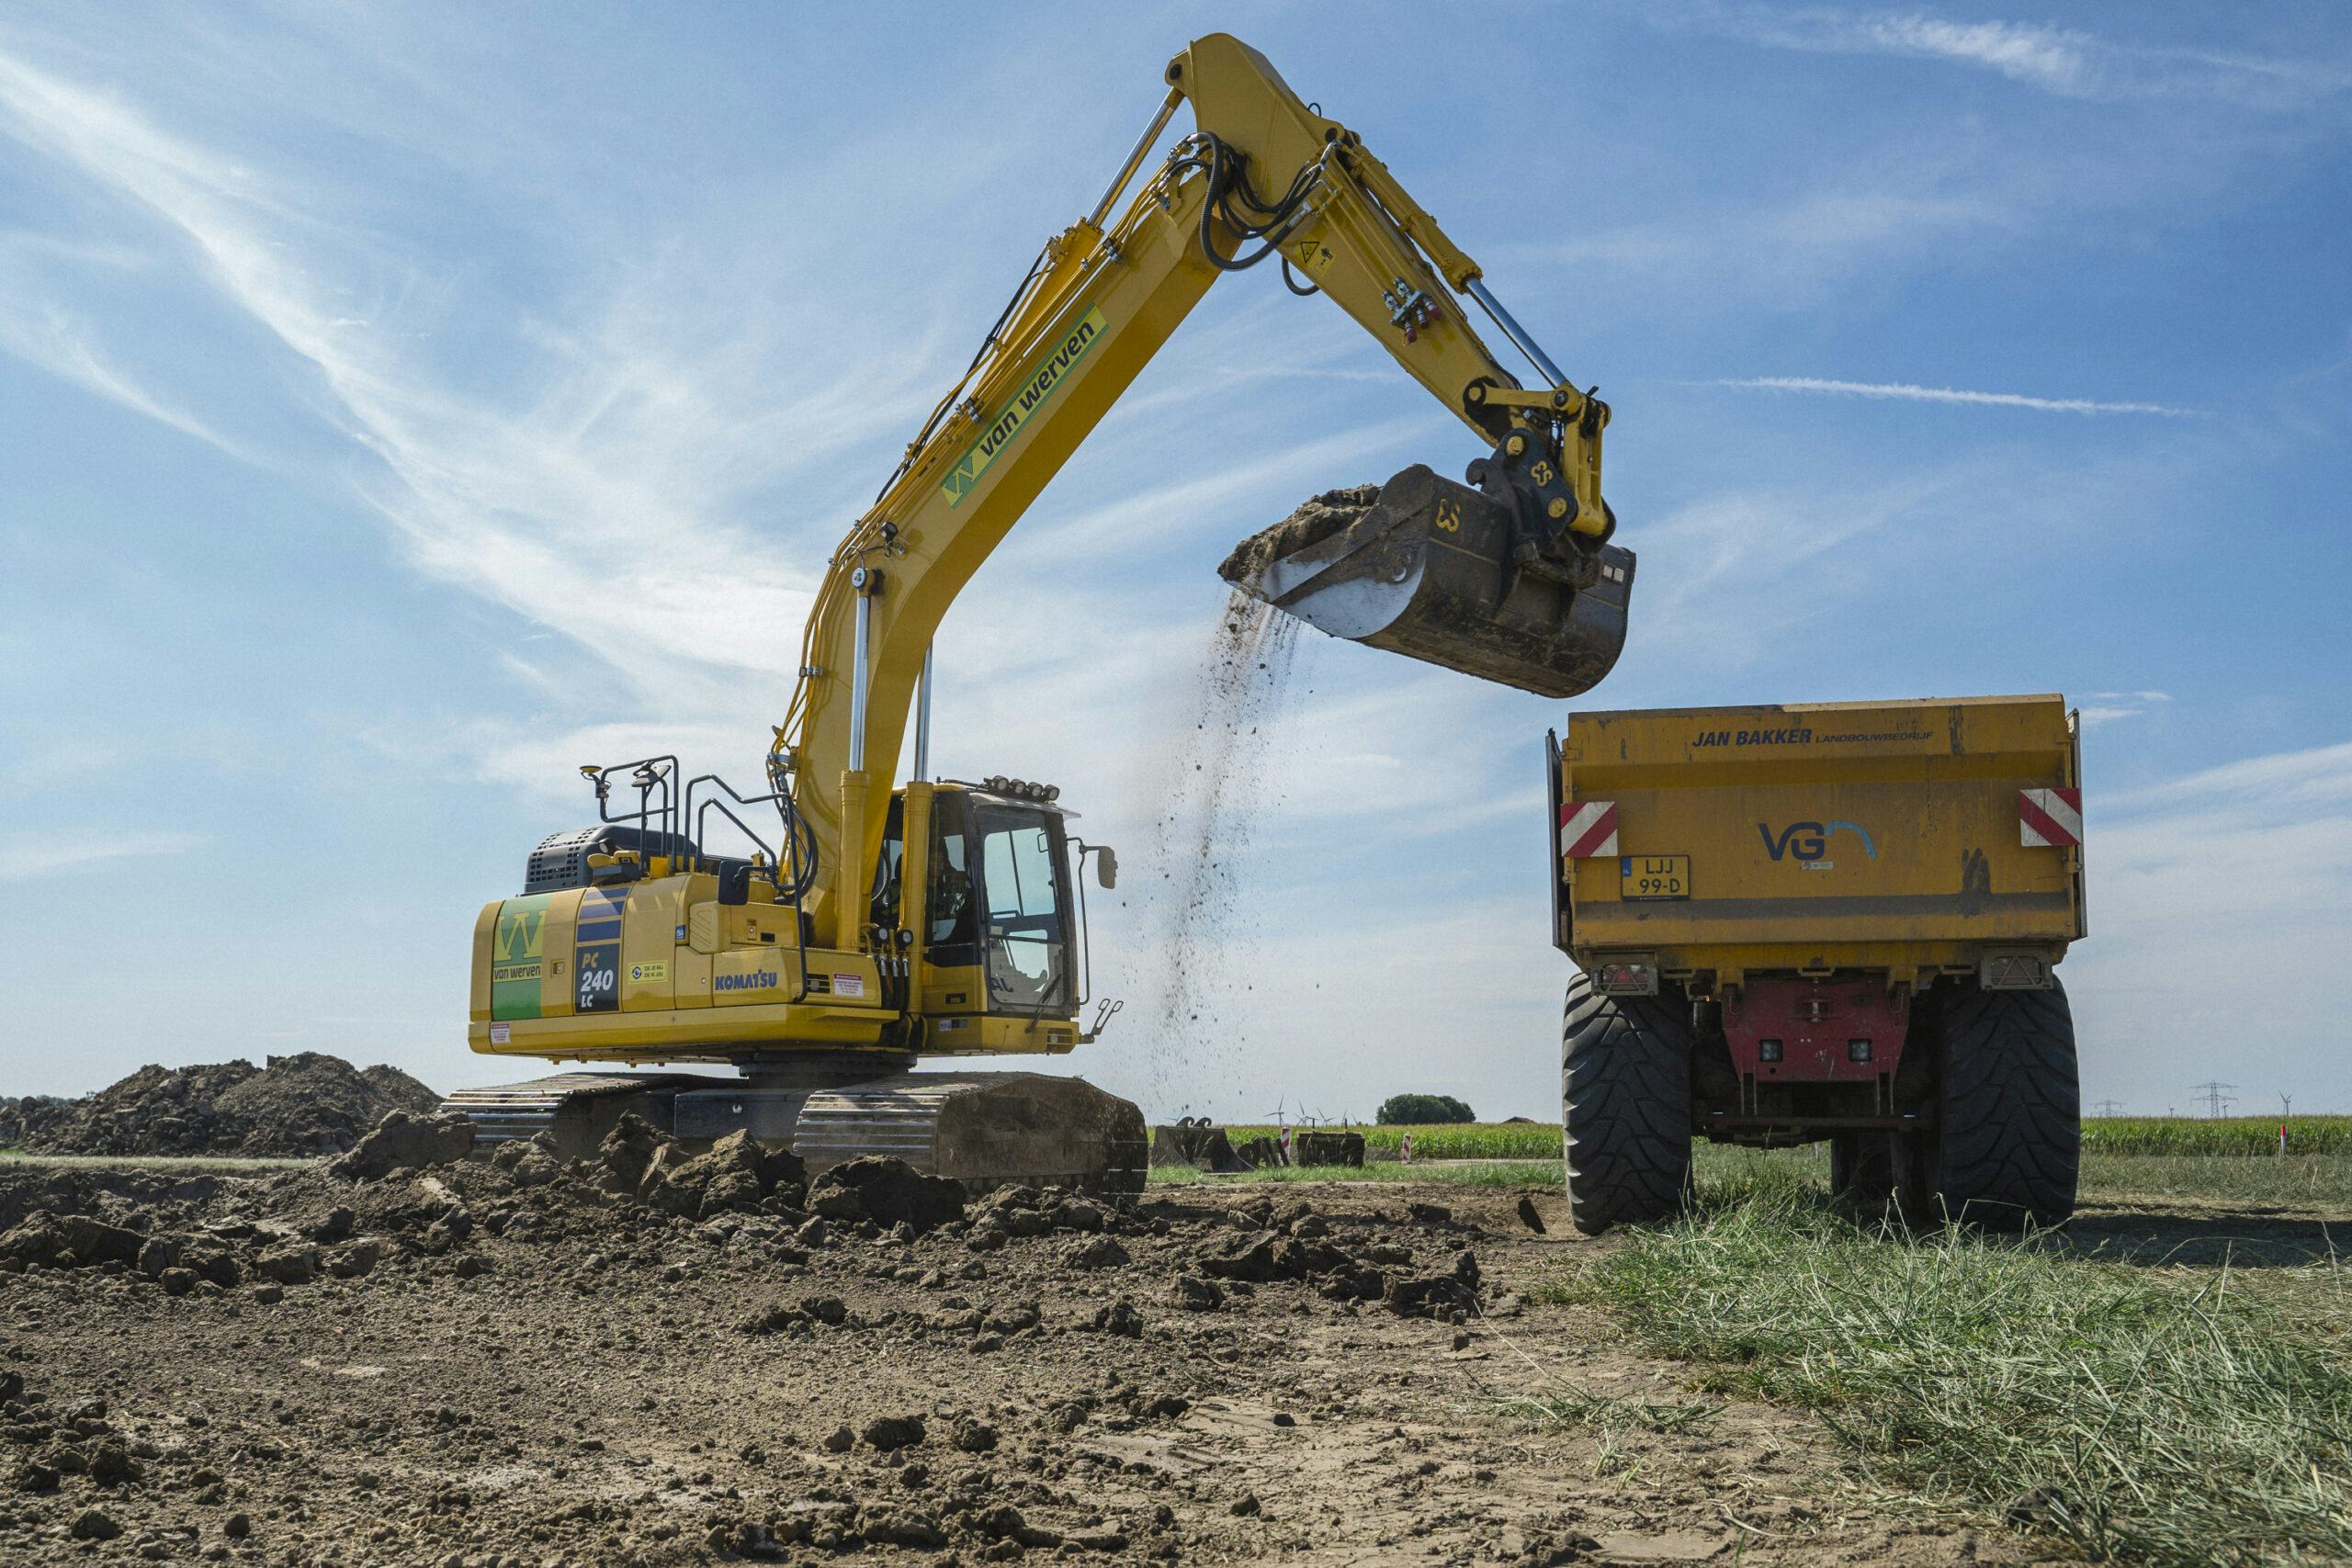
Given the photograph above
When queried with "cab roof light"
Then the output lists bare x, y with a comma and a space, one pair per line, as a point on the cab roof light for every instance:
997, 784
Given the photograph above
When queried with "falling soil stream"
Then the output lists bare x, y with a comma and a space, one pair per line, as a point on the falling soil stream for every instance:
1201, 838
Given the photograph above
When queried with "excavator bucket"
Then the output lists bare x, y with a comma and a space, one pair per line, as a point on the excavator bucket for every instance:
1434, 569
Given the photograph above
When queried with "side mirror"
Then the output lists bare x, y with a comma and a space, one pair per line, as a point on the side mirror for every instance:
1106, 867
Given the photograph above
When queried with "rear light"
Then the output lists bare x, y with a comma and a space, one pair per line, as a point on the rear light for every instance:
1857, 1050
1768, 1049
1626, 977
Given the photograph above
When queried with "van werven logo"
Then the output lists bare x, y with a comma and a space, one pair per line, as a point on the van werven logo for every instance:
1043, 383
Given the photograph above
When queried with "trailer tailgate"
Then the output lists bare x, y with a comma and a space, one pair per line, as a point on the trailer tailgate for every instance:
1818, 836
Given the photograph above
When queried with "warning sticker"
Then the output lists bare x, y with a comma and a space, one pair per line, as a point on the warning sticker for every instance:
849, 985
500, 1033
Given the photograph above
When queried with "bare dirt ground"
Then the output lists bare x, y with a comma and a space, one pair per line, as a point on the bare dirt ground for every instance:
510, 1366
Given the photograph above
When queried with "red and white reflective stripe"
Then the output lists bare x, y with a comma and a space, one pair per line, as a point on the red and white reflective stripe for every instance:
2050, 818
1589, 829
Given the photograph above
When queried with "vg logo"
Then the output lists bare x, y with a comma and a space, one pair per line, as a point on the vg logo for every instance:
1809, 841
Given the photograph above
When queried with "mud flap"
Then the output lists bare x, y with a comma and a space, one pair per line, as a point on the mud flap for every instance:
1432, 571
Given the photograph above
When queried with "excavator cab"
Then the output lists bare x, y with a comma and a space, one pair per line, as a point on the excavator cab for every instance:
1003, 921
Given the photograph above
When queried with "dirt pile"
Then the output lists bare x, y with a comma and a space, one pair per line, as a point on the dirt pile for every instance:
305, 1104
1315, 521
1199, 1143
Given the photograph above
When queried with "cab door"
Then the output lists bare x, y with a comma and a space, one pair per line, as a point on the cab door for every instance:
1024, 919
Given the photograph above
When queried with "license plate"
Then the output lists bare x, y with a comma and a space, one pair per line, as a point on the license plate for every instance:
1653, 876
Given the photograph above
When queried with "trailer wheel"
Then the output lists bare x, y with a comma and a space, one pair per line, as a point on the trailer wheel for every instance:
1861, 1168
2008, 1134
1625, 1106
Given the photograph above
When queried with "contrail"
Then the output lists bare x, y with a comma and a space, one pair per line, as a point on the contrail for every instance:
1953, 395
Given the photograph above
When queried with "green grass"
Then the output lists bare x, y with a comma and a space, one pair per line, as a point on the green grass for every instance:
1506, 1173
194, 1164
2135, 1416
2306, 1180
1466, 1140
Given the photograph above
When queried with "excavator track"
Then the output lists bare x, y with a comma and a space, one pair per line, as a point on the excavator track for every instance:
982, 1129
579, 1109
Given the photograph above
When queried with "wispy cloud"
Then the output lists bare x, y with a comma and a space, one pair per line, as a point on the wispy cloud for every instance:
57, 342
2107, 707
2065, 61
2318, 781
1908, 392
2217, 912
622, 453
1721, 565
29, 858
1787, 251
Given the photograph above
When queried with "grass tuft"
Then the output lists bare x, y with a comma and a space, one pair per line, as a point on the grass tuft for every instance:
2136, 1417
1500, 1173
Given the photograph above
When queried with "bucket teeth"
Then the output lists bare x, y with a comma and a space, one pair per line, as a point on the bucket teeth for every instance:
1437, 571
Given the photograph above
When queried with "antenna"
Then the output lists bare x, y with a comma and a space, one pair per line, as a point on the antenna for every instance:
2217, 1098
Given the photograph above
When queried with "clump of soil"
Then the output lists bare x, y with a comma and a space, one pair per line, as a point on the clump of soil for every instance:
1314, 522
310, 1103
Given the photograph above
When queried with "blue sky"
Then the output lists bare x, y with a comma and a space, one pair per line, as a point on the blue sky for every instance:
400, 407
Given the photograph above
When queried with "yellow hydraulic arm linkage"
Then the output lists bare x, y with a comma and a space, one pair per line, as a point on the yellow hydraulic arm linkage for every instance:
1512, 581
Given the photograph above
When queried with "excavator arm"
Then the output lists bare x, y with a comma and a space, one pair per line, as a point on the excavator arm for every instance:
1263, 178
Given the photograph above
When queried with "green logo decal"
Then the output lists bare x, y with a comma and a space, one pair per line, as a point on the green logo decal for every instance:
518, 957
1042, 384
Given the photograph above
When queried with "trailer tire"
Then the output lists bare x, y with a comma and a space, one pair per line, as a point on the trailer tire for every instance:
2007, 1142
1625, 1106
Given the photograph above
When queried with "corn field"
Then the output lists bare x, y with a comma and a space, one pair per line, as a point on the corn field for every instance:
2198, 1135
2183, 1136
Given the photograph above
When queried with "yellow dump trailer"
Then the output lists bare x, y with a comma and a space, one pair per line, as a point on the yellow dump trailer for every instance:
1836, 920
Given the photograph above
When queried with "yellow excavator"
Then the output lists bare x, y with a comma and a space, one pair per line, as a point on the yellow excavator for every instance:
865, 925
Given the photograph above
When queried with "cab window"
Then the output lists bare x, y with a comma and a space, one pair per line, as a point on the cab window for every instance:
1021, 884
